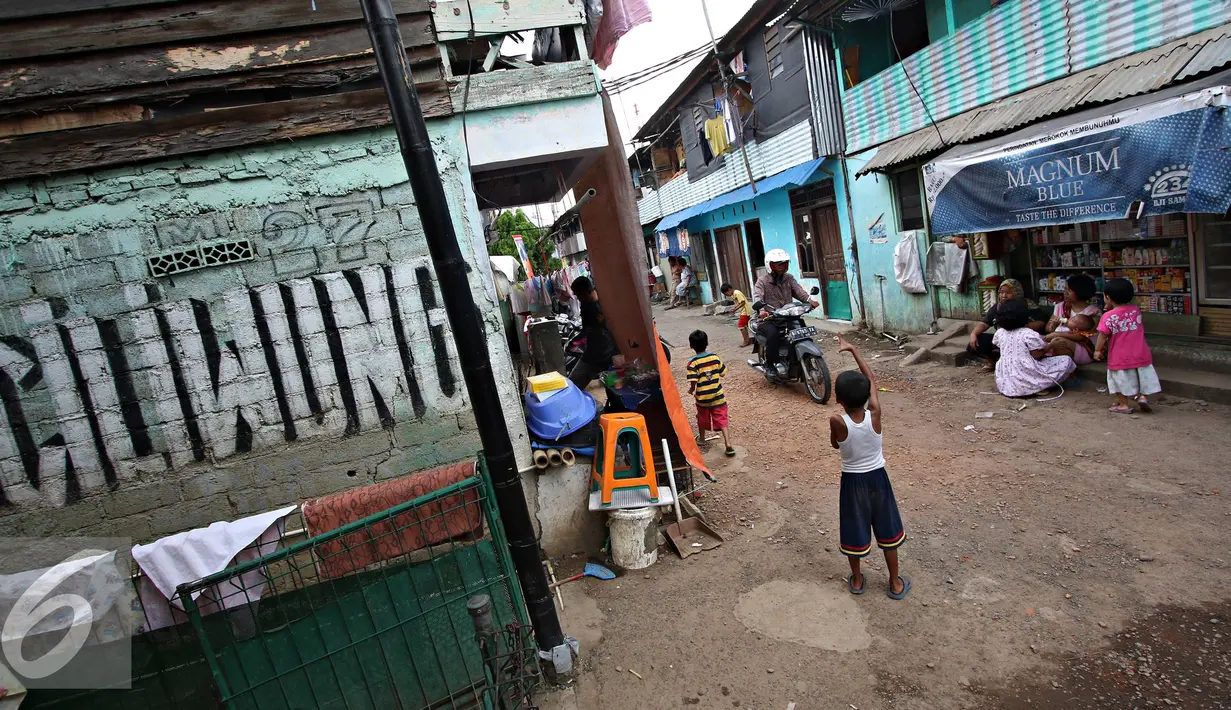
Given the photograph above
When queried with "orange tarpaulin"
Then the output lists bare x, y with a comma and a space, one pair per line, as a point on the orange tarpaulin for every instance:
675, 410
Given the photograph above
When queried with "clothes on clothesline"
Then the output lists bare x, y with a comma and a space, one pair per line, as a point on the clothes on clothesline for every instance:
716, 134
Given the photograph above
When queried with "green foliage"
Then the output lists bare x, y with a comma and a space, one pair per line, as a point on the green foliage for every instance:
538, 242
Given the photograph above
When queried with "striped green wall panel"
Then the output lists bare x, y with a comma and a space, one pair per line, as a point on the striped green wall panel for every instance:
1017, 46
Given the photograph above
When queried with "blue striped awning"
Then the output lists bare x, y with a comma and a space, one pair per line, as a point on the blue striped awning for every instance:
798, 175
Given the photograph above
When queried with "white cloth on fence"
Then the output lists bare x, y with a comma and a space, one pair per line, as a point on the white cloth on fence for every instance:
906, 266
947, 265
195, 554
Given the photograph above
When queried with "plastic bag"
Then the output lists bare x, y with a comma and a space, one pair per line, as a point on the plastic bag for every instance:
906, 267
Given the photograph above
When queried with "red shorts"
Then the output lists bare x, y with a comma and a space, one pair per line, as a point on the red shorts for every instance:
743, 321
712, 418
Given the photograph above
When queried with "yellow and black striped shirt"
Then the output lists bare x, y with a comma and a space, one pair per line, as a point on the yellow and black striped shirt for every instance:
706, 371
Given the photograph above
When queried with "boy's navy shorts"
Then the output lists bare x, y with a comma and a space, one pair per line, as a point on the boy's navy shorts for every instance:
866, 507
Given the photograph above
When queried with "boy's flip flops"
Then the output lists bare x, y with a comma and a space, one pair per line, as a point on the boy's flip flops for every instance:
850, 584
905, 588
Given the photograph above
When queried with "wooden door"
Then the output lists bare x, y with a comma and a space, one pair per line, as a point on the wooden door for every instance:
731, 253
831, 263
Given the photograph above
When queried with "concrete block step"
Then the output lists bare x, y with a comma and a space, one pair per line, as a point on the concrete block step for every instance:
1178, 381
949, 354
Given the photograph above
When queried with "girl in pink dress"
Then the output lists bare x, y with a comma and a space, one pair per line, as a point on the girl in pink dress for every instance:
1023, 368
1122, 339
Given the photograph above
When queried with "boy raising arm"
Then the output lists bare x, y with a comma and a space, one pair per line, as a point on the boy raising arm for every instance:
866, 505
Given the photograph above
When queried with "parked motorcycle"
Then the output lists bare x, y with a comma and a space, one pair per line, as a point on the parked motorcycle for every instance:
572, 339
574, 342
799, 357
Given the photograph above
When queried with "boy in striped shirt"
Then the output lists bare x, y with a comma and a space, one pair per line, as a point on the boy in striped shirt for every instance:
705, 372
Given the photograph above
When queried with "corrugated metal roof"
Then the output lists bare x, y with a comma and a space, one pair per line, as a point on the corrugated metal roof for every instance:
1138, 74
797, 175
1015, 47
787, 149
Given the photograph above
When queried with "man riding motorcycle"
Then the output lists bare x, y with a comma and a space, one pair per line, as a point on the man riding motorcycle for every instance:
776, 289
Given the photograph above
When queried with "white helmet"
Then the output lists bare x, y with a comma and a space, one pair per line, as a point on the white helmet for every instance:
776, 256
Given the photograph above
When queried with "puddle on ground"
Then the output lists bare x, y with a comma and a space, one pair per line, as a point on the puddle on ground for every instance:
772, 517
982, 589
825, 617
1177, 657
1150, 486
1095, 468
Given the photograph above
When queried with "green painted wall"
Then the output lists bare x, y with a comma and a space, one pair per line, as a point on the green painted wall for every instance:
872, 38
938, 23
324, 362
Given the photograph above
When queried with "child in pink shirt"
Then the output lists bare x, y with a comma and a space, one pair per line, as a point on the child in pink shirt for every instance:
1122, 338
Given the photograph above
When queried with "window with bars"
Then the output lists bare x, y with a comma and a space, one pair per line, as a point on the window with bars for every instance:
773, 51
908, 199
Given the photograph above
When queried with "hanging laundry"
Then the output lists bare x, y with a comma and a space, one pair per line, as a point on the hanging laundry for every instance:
737, 64
619, 16
716, 134
729, 119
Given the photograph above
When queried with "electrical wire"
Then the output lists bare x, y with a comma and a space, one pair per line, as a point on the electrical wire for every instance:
902, 63
685, 56
655, 71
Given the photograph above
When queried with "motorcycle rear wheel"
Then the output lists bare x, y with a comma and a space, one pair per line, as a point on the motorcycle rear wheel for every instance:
816, 378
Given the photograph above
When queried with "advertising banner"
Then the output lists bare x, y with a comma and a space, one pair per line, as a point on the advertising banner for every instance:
1170, 156
523, 255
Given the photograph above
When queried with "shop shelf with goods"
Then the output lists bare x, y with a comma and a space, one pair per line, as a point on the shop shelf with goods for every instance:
1154, 253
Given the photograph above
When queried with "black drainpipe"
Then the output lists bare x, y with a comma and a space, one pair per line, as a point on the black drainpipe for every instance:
468, 330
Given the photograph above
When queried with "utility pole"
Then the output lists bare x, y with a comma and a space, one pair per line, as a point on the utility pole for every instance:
729, 84
467, 327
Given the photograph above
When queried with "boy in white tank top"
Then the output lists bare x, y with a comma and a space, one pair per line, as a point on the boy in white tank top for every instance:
866, 505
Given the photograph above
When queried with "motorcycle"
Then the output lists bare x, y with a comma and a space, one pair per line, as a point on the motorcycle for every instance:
574, 341
799, 357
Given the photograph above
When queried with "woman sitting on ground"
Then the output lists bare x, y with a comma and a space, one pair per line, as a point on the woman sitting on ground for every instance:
1024, 367
1061, 339
981, 343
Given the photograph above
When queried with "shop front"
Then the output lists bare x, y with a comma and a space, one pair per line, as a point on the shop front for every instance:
1139, 190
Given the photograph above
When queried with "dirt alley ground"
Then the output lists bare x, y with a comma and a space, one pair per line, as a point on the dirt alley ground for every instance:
1060, 555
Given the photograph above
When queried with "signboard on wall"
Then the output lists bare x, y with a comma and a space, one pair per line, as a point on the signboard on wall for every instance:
1162, 157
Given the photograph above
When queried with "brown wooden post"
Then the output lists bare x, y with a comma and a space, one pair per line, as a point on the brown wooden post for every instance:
617, 250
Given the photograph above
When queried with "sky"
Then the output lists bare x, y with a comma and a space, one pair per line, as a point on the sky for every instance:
678, 26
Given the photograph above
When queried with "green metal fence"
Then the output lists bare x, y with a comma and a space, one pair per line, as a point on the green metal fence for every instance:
331, 630
393, 634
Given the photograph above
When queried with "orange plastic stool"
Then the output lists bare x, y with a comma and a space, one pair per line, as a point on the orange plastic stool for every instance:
623, 429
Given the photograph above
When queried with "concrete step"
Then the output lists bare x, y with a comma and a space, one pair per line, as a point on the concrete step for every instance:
1180, 353
950, 353
1179, 381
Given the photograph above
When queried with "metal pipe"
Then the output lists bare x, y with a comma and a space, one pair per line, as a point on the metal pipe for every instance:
464, 318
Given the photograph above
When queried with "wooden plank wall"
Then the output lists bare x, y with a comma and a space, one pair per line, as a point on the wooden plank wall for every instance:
88, 83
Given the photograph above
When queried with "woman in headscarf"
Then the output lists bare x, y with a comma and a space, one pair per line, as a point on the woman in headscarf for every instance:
981, 344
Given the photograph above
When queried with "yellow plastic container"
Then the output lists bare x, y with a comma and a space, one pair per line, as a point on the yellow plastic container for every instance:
547, 382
